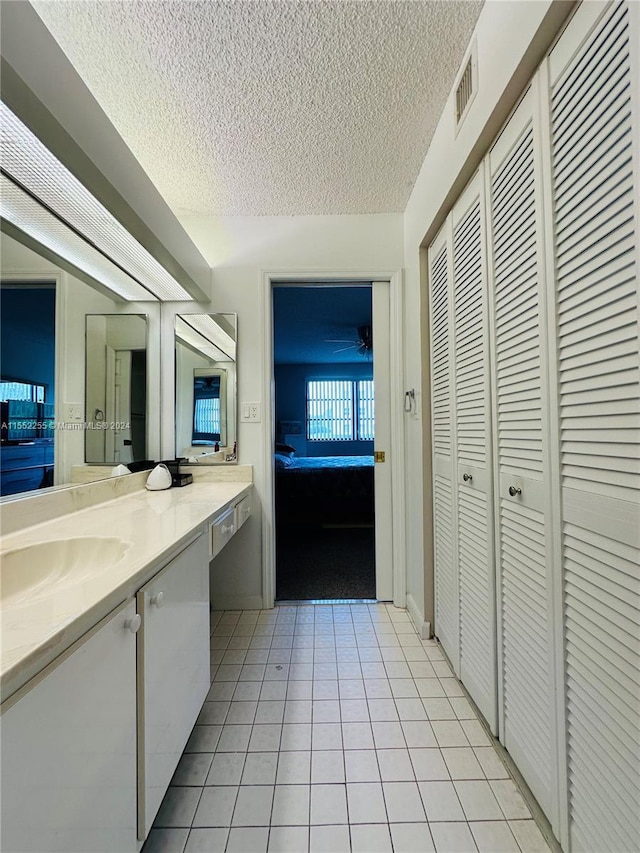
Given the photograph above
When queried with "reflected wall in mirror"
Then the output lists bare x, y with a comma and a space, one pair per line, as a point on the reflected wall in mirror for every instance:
205, 353
43, 363
116, 388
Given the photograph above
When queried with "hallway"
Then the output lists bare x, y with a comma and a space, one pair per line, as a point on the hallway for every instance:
334, 728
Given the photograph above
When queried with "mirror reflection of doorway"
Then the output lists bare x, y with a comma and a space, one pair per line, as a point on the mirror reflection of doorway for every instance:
129, 407
27, 385
115, 388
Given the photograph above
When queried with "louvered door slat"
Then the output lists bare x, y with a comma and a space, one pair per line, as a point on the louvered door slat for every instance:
476, 637
615, 209
440, 355
581, 146
582, 61
596, 294
612, 656
445, 575
589, 188
605, 604
477, 609
516, 331
444, 507
525, 652
526, 681
517, 264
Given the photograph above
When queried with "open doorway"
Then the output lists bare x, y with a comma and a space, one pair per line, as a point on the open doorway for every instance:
324, 459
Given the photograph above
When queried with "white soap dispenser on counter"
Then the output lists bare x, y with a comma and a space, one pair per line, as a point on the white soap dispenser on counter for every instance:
159, 478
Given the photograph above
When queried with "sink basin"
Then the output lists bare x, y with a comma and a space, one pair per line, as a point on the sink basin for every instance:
27, 573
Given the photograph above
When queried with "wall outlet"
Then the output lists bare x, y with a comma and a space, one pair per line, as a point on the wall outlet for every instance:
250, 413
73, 413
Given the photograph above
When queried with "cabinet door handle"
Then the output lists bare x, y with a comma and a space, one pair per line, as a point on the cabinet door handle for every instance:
133, 624
226, 529
467, 477
514, 490
157, 600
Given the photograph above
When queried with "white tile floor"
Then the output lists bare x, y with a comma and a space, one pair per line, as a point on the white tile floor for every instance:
334, 728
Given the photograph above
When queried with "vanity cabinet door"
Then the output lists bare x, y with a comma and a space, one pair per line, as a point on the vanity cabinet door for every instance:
173, 670
69, 748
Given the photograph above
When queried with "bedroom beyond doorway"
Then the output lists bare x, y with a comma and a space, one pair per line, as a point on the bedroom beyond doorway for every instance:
324, 469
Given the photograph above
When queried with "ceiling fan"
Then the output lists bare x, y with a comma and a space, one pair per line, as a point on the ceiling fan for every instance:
363, 344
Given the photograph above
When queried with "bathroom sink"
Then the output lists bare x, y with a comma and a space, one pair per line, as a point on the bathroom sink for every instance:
29, 572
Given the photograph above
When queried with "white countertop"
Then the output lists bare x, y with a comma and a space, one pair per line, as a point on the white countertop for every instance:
156, 524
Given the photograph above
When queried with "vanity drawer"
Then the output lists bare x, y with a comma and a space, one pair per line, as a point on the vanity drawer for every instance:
221, 530
243, 511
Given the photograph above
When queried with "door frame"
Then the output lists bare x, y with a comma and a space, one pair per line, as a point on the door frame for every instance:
396, 379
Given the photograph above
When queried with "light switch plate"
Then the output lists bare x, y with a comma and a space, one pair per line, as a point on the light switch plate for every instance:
250, 413
72, 413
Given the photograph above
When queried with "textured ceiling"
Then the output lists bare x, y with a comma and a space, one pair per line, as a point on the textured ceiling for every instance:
269, 107
319, 325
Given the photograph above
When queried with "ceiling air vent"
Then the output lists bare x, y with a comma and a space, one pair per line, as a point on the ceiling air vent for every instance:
466, 88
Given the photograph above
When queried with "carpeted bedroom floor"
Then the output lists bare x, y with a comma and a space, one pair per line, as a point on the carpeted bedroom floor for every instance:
325, 563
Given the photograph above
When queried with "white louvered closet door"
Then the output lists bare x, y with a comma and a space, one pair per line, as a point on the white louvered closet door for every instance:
525, 648
447, 624
595, 212
472, 452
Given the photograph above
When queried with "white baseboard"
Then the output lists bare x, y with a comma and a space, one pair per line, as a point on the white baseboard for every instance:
423, 628
237, 602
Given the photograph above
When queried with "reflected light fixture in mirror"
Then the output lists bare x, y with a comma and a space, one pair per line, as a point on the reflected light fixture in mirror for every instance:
204, 332
43, 199
206, 387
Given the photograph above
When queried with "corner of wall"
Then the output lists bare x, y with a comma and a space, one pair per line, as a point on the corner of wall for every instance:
423, 628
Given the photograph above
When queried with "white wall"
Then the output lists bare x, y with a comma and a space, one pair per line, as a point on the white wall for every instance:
511, 39
241, 250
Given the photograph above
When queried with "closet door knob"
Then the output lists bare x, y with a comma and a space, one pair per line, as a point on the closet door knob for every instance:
467, 477
514, 490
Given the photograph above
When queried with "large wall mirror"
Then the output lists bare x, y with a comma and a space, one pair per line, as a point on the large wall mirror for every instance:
206, 379
45, 412
116, 388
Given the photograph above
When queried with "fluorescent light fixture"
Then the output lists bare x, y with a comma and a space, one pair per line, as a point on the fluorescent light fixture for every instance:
17, 207
198, 330
63, 198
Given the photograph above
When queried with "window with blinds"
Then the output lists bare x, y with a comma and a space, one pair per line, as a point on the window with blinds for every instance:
340, 410
366, 417
26, 391
206, 417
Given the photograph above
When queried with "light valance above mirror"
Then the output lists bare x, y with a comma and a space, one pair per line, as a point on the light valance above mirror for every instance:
206, 379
